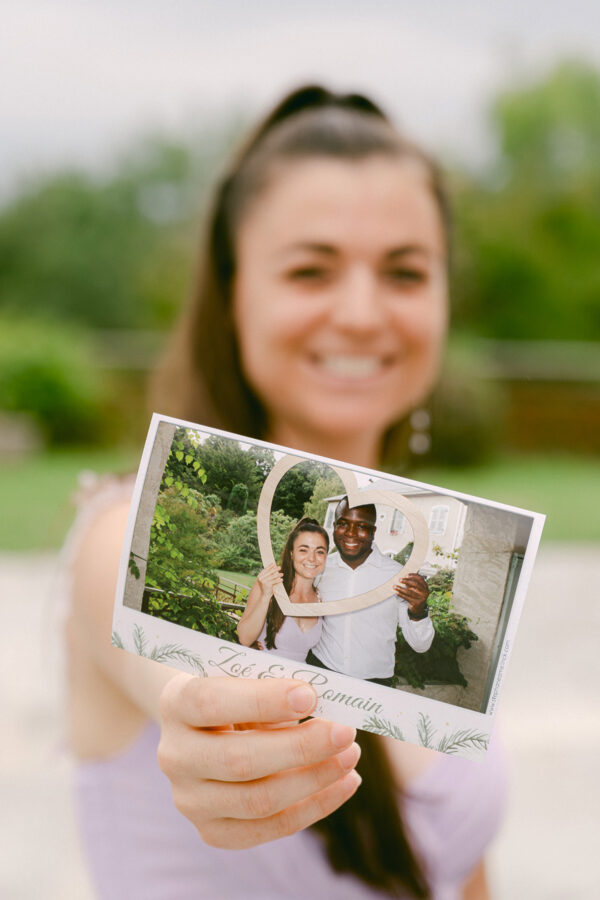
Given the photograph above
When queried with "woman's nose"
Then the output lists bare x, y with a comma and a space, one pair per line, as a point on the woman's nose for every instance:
359, 306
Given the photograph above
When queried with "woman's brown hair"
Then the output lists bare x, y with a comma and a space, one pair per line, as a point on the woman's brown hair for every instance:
201, 373
201, 380
275, 617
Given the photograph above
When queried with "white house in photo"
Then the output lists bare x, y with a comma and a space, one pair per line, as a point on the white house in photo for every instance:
445, 517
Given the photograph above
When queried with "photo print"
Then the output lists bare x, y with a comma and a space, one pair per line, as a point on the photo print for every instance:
397, 600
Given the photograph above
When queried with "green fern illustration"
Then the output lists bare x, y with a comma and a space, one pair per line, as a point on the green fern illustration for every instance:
139, 641
425, 730
163, 653
461, 740
176, 653
382, 726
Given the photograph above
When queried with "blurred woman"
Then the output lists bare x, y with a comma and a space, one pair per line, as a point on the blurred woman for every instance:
318, 322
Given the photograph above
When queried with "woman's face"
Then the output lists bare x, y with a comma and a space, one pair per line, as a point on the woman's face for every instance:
340, 297
309, 554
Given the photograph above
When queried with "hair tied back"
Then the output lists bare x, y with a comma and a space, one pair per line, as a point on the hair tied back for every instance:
312, 96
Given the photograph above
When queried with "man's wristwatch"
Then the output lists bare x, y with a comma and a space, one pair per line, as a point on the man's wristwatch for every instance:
416, 617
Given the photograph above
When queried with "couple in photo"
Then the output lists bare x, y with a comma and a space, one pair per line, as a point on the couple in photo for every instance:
361, 643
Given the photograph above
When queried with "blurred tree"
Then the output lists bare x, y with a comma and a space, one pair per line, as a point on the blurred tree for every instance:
45, 371
528, 264
550, 131
112, 252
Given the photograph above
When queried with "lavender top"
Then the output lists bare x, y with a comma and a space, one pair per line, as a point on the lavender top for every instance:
139, 845
291, 641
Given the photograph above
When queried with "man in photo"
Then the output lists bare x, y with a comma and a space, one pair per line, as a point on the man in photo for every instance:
362, 643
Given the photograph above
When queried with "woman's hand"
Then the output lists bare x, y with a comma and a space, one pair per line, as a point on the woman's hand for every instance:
267, 578
242, 769
253, 618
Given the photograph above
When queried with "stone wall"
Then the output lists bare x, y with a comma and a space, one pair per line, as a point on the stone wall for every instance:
134, 587
491, 536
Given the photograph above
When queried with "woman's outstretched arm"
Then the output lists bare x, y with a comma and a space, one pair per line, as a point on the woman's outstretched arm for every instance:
236, 777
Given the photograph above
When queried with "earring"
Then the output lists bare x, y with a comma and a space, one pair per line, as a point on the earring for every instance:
419, 441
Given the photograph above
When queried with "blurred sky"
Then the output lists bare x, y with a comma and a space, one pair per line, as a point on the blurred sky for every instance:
79, 79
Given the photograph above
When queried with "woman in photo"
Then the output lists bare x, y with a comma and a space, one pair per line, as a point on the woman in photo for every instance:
263, 624
318, 322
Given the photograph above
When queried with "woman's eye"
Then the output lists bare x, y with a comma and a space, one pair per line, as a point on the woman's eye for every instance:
406, 276
307, 273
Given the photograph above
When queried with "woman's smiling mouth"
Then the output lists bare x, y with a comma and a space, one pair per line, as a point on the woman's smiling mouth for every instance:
348, 366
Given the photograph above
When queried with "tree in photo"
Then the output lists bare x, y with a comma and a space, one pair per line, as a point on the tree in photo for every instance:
181, 579
328, 484
296, 488
226, 465
239, 545
238, 499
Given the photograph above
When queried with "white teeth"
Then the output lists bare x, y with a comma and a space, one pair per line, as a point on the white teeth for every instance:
351, 366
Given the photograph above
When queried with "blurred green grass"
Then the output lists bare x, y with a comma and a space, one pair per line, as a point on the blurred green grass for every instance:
35, 493
238, 577
36, 510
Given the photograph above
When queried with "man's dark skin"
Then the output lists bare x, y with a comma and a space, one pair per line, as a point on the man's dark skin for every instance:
353, 534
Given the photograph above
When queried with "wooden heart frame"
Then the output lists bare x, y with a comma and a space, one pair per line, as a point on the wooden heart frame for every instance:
356, 497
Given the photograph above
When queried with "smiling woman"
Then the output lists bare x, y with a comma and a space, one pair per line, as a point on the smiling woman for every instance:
318, 320
328, 254
340, 302
263, 624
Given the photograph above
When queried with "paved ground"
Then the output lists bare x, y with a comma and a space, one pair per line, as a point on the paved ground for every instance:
548, 849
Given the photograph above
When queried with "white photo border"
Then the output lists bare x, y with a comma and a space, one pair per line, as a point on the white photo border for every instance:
365, 705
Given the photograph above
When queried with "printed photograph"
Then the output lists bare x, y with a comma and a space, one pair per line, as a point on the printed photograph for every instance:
378, 578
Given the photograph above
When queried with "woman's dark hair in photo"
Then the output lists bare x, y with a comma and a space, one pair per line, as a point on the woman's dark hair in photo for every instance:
275, 616
201, 380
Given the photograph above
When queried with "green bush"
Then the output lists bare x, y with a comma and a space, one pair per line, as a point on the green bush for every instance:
45, 370
196, 609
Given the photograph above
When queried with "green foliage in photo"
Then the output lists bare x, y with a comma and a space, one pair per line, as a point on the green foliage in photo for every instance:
238, 550
226, 465
183, 553
196, 610
328, 484
281, 525
402, 555
296, 488
238, 499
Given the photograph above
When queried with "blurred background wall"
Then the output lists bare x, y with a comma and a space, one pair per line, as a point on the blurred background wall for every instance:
115, 118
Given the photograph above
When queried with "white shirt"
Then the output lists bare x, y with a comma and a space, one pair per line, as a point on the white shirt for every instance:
363, 643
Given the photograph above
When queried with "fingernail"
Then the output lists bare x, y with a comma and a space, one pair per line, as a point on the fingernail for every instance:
302, 699
353, 780
348, 758
341, 735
